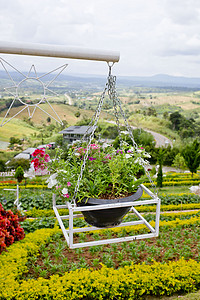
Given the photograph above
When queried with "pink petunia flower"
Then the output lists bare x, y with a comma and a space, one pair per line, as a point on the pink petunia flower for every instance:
66, 195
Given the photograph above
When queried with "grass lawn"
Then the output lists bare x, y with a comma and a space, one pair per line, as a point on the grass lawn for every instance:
191, 296
174, 189
15, 128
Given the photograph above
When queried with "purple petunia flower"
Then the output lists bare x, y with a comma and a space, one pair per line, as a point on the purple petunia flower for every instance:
119, 151
91, 158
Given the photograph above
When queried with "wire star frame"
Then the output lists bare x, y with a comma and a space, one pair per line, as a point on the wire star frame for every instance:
16, 88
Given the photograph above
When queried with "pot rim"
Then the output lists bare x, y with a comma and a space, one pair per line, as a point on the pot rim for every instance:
95, 201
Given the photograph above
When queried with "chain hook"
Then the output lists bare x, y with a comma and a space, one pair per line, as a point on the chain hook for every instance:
110, 65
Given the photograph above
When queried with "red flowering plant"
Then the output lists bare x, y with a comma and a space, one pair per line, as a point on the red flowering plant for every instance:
108, 172
10, 229
40, 159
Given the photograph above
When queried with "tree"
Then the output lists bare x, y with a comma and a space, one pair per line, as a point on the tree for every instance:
176, 119
19, 174
165, 115
15, 163
77, 114
59, 140
151, 111
2, 165
179, 162
14, 140
191, 154
48, 120
160, 173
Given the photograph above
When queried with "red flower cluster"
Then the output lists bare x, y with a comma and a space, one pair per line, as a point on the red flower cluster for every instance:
41, 159
8, 181
10, 229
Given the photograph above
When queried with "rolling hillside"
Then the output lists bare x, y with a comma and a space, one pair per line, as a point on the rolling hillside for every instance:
18, 128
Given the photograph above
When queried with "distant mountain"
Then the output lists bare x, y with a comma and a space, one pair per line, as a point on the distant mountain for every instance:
159, 80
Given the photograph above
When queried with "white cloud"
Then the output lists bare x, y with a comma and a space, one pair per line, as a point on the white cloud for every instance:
152, 36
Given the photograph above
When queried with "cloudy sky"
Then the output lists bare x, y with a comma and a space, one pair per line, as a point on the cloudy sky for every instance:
152, 36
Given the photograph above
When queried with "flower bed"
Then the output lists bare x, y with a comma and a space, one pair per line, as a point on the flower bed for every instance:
128, 282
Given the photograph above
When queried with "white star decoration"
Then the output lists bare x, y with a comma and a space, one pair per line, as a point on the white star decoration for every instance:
14, 90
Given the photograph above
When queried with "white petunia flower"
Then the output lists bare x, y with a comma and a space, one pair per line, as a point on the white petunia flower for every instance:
127, 155
65, 191
52, 180
77, 154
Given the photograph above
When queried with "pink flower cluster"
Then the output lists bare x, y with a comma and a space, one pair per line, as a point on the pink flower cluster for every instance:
64, 191
41, 159
94, 146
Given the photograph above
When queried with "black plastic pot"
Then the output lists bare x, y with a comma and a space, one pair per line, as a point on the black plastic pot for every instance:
107, 217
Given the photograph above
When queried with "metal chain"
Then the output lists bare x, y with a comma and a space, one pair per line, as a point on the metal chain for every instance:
116, 101
111, 87
95, 119
111, 94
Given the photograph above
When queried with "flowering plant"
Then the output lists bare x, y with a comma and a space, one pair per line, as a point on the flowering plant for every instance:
10, 229
109, 173
40, 159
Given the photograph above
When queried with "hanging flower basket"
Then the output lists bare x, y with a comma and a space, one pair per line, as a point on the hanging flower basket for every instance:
107, 217
109, 175
95, 173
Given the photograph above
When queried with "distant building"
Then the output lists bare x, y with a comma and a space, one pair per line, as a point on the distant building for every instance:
26, 154
74, 133
51, 145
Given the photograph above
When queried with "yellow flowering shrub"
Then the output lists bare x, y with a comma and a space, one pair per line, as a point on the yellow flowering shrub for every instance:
176, 183
129, 282
36, 213
28, 186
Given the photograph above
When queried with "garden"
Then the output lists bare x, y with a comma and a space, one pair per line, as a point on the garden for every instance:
35, 259
41, 265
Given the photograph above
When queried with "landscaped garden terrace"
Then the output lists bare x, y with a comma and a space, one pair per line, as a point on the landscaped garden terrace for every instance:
41, 266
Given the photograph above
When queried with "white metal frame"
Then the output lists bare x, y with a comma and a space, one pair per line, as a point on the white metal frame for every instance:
16, 202
69, 233
14, 91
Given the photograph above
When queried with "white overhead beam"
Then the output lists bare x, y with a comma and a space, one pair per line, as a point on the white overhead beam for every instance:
58, 51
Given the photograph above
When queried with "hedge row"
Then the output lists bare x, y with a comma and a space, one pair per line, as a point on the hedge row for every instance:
130, 282
164, 183
176, 183
37, 213
28, 186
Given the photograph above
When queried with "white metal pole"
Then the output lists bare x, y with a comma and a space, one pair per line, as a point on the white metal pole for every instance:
58, 51
157, 217
17, 196
71, 226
